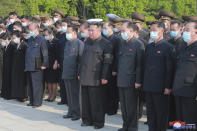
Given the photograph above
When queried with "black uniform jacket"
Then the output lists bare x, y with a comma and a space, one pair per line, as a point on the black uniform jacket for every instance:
185, 82
130, 63
159, 66
36, 47
95, 62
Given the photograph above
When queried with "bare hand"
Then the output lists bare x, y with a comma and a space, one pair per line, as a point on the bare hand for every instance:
43, 68
78, 77
55, 66
167, 91
114, 73
196, 97
137, 85
103, 81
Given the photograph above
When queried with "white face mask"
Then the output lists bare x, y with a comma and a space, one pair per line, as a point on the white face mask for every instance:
47, 37
64, 28
17, 41
55, 19
46, 24
166, 25
24, 24
12, 21
115, 30
59, 30
187, 36
27, 37
3, 43
154, 35
69, 36
1, 32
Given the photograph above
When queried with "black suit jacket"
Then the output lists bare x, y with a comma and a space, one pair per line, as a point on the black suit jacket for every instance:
95, 62
185, 82
130, 63
159, 66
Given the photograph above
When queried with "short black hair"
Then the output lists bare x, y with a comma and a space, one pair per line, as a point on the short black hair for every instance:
66, 20
17, 23
5, 36
25, 30
159, 24
25, 17
85, 24
133, 26
13, 13
180, 24
109, 24
58, 23
74, 28
16, 33
49, 30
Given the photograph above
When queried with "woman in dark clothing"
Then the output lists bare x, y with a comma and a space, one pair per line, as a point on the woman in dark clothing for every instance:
52, 73
18, 78
8, 48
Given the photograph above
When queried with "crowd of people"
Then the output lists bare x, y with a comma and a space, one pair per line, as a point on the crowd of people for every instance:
101, 64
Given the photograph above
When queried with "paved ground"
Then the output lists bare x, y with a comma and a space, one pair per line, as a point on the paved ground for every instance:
16, 116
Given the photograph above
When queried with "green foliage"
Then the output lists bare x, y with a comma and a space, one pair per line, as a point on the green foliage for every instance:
7, 6
98, 8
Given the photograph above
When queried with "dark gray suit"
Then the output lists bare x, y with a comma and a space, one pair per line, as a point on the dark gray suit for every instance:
72, 54
36, 47
95, 63
130, 71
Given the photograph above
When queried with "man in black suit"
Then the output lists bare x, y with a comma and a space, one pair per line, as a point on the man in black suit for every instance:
36, 60
158, 77
95, 64
130, 75
185, 82
112, 97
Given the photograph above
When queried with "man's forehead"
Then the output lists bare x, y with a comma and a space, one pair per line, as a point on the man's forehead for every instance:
11, 16
93, 27
70, 29
190, 25
124, 24
154, 26
106, 24
32, 26
64, 23
174, 25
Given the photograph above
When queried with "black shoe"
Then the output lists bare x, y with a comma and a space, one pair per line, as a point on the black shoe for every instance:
86, 124
122, 129
170, 127
36, 106
75, 118
46, 99
67, 116
21, 100
61, 103
146, 123
111, 113
51, 100
98, 127
29, 104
